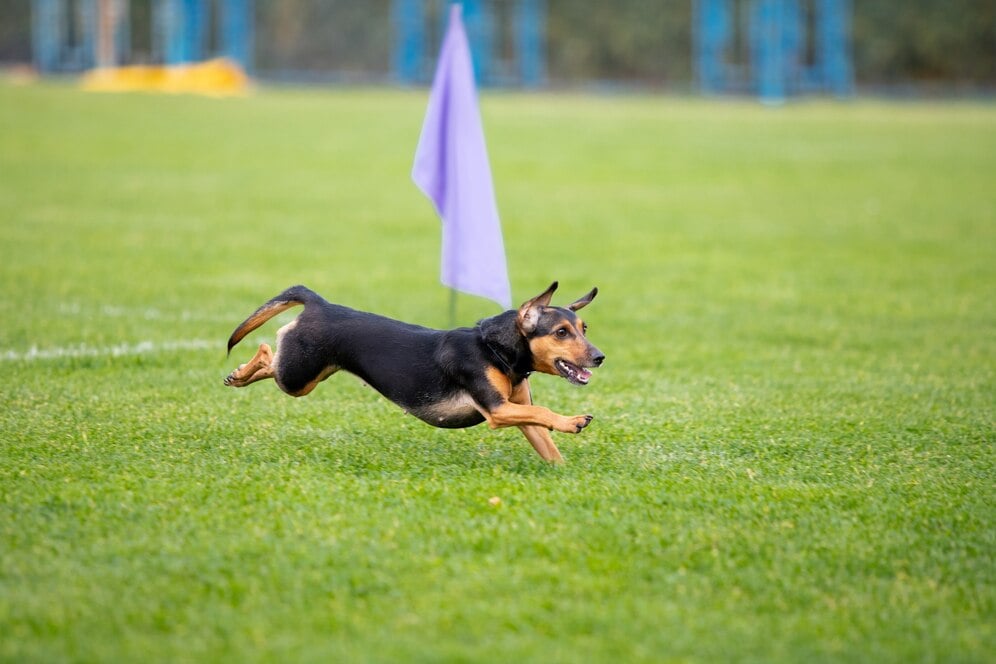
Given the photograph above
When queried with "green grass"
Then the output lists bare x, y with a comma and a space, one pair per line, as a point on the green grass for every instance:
792, 457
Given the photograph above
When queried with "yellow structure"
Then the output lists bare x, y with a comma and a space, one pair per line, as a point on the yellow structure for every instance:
220, 78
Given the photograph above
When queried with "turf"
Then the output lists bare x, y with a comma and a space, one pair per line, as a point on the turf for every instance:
792, 457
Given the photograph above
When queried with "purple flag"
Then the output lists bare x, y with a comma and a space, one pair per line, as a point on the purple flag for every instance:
451, 168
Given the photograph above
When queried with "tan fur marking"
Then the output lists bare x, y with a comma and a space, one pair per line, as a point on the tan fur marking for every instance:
304, 391
514, 414
547, 349
499, 381
258, 368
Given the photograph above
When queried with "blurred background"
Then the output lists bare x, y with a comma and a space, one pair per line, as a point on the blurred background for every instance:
768, 47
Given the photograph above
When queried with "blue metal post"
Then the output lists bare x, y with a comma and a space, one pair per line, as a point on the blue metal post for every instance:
479, 21
767, 42
122, 33
237, 32
530, 28
196, 29
173, 19
793, 46
834, 46
184, 25
713, 30
84, 54
409, 40
48, 33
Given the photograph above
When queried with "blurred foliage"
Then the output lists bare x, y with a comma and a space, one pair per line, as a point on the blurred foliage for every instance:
339, 35
952, 40
631, 41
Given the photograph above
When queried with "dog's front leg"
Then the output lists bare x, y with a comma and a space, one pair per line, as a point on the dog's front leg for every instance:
511, 414
508, 413
538, 437
542, 442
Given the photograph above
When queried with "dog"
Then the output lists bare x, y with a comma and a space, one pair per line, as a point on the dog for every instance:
447, 378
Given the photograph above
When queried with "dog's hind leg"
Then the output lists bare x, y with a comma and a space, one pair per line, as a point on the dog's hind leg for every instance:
259, 367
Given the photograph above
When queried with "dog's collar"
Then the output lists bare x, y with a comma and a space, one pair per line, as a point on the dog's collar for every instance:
506, 365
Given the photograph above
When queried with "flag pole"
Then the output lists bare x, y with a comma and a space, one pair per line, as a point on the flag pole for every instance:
453, 303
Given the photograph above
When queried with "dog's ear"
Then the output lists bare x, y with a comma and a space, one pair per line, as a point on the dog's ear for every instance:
529, 312
574, 306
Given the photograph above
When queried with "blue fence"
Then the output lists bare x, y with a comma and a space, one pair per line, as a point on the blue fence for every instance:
413, 54
82, 34
794, 46
772, 48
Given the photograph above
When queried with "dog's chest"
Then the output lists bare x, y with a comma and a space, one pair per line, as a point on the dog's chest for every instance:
453, 412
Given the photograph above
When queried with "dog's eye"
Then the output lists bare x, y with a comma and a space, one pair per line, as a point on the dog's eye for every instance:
562, 333
584, 328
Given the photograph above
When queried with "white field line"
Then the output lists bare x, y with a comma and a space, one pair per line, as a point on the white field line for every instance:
118, 350
75, 309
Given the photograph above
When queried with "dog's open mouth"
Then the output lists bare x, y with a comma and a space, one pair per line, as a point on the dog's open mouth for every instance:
572, 372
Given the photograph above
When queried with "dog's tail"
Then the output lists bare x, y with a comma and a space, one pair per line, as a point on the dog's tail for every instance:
292, 297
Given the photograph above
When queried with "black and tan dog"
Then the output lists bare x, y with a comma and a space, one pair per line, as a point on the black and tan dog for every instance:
446, 378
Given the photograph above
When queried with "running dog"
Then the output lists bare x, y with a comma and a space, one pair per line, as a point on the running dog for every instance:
446, 378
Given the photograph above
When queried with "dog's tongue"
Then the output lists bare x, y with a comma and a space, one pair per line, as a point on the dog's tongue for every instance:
583, 375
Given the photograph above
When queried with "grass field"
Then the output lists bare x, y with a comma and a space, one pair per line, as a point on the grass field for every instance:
793, 451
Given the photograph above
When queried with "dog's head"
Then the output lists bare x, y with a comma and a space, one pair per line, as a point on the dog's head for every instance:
556, 337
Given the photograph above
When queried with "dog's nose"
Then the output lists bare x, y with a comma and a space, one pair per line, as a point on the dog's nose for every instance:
597, 358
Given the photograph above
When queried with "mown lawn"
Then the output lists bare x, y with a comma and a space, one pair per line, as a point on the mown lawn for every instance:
792, 457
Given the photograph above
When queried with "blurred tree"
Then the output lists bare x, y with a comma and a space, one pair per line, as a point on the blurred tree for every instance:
916, 40
15, 31
634, 40
323, 37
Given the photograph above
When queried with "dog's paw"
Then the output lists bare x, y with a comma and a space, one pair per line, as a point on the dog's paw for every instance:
234, 379
575, 424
